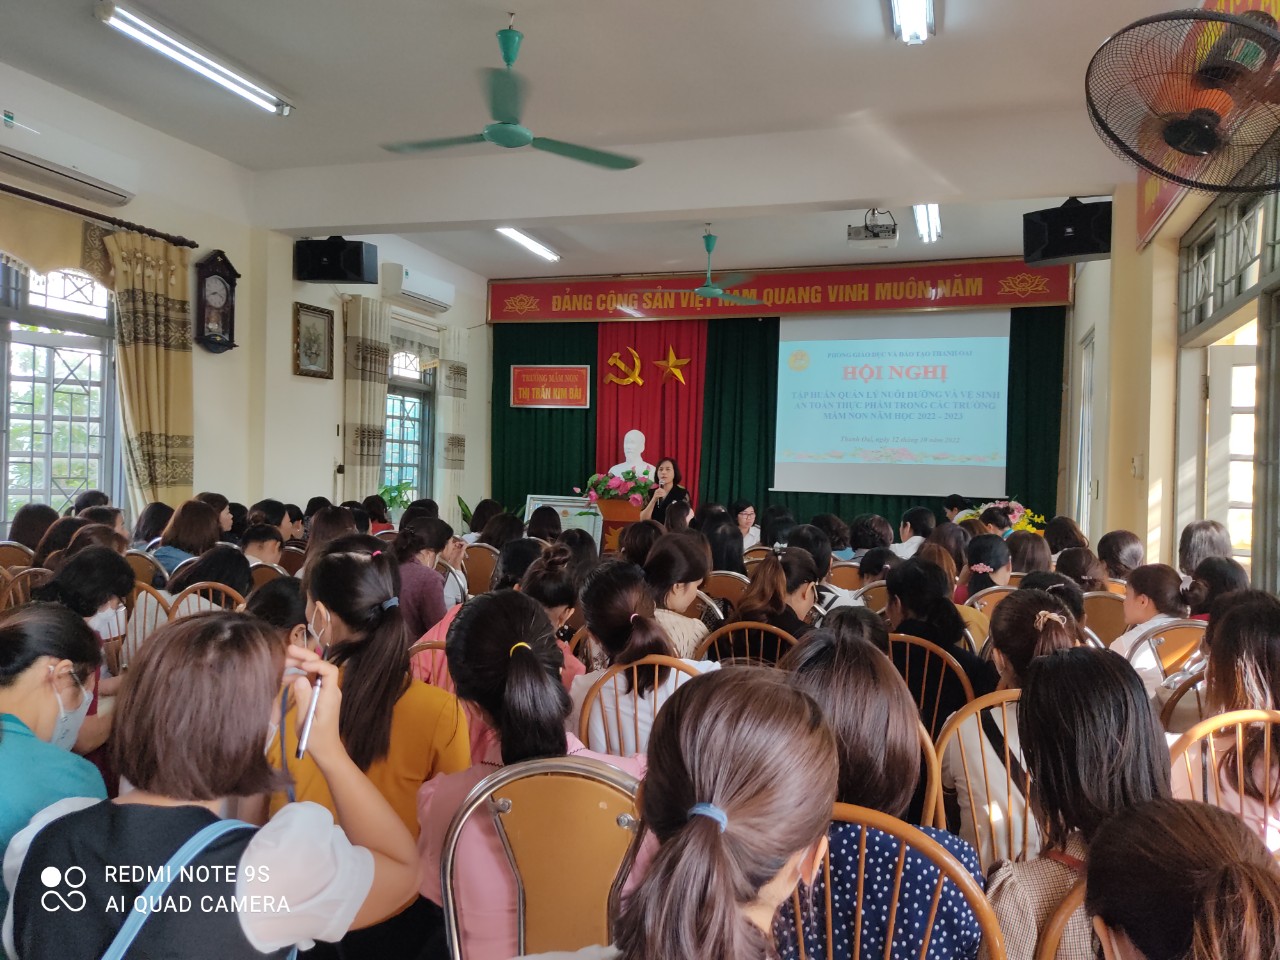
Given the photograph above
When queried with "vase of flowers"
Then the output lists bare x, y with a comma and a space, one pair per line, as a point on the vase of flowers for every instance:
607, 486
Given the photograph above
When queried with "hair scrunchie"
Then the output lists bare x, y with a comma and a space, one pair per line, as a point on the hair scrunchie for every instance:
712, 812
1044, 616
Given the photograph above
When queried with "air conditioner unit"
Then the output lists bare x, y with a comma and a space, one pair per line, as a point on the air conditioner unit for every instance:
44, 155
416, 289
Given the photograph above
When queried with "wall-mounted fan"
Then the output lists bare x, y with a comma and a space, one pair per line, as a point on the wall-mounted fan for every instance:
1193, 96
718, 289
506, 91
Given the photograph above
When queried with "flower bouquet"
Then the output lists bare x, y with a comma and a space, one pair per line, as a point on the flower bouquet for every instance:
630, 487
1021, 517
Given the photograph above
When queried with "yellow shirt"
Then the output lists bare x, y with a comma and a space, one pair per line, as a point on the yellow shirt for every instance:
428, 737
978, 623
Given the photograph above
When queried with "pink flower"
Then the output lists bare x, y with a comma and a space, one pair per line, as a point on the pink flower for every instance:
635, 499
625, 487
577, 489
615, 483
592, 496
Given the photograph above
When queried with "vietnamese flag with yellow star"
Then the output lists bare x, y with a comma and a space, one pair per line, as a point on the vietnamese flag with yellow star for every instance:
649, 377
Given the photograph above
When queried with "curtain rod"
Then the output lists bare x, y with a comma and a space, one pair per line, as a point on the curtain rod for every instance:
97, 217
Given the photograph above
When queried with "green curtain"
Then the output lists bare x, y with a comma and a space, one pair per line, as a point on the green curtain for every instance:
742, 389
540, 451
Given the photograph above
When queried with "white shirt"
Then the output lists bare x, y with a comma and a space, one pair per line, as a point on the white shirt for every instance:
618, 706
454, 588
751, 538
1145, 661
304, 856
471, 537
907, 549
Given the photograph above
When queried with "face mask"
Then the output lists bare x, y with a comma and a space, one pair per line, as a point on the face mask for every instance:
108, 623
317, 636
67, 727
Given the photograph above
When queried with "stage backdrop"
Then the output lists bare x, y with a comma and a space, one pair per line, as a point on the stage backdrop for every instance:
667, 407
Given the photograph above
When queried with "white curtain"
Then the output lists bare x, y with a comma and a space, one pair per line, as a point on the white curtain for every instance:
368, 337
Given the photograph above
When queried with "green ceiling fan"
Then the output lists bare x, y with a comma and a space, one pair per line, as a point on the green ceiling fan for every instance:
506, 91
716, 290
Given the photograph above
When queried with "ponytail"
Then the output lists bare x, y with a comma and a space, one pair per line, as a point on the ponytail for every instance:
783, 571
1239, 915
361, 589
1029, 624
985, 555
619, 614
503, 657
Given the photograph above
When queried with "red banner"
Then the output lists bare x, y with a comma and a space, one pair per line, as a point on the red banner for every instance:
551, 386
942, 285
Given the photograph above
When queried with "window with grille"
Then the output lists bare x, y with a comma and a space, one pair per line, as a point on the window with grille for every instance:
410, 422
60, 412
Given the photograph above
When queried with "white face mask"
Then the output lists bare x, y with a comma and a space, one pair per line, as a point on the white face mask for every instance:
317, 636
109, 623
67, 727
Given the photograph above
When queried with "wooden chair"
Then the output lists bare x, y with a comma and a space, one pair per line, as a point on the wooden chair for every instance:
986, 601
875, 595
1104, 613
545, 543
1115, 586
219, 595
706, 610
903, 935
567, 826
387, 536
846, 575
1173, 643
263, 573
750, 563
932, 665
817, 613
478, 563
292, 559
18, 590
14, 554
182, 566
1221, 741
747, 642
1051, 935
452, 574
758, 552
1005, 799
605, 706
1015, 579
145, 567
1191, 683
432, 668
725, 585
145, 617
931, 770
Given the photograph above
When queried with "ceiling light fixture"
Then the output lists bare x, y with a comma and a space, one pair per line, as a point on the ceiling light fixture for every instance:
912, 20
140, 28
928, 223
530, 244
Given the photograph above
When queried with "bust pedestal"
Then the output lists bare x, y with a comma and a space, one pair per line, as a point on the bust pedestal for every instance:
617, 515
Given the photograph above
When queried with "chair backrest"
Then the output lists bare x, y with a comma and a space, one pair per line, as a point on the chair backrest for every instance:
182, 566
611, 698
292, 559
1104, 613
218, 594
567, 826
846, 575
14, 554
925, 666
750, 563
1173, 642
931, 768
758, 552
875, 595
265, 573
706, 610
433, 665
746, 642
387, 536
987, 600
18, 590
993, 810
1115, 586
900, 929
145, 567
1015, 579
725, 585
1216, 772
1192, 683
1051, 935
478, 564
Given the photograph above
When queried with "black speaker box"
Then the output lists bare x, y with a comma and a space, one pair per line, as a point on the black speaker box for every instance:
1071, 233
335, 260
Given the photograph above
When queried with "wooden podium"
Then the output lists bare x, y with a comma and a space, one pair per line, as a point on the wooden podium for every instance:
617, 514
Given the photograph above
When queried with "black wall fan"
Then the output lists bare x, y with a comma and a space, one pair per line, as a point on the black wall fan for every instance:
1193, 96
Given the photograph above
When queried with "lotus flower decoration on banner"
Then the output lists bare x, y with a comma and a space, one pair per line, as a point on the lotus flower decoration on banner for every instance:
521, 304
1023, 285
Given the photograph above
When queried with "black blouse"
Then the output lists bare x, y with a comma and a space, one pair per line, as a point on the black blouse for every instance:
660, 508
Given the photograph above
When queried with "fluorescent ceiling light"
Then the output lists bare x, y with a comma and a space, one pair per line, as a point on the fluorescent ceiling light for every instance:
530, 244
146, 32
928, 223
912, 20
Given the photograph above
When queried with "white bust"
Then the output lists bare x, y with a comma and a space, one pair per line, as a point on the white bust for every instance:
633, 452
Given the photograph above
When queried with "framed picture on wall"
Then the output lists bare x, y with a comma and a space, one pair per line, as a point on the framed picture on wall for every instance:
312, 341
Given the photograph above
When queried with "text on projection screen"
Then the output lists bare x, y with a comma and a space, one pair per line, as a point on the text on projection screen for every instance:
899, 404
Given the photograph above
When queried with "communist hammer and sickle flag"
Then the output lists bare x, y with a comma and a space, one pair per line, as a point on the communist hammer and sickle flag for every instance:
632, 373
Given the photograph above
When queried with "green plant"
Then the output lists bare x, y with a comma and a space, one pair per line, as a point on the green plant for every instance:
466, 511
397, 494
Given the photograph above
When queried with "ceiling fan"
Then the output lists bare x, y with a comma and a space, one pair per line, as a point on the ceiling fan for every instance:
717, 289
506, 92
1193, 97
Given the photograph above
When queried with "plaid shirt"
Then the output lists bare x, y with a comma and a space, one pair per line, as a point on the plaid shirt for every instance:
1024, 897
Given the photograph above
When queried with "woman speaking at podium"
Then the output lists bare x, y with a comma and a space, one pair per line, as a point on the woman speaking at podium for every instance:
667, 492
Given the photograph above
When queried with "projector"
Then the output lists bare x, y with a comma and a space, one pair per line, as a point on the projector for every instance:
875, 234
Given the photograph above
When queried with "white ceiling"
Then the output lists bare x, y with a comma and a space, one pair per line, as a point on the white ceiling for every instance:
660, 74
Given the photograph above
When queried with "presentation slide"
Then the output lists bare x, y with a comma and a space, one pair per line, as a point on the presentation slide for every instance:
911, 404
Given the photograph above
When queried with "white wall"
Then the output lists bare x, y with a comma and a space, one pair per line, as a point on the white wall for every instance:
1091, 312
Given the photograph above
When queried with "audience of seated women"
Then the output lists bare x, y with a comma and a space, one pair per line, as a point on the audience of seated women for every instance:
1066, 590
501, 529
1182, 881
549, 579
876, 726
504, 659
30, 524
673, 572
584, 554
1121, 552
782, 592
1026, 625
1093, 747
379, 518
806, 536
869, 531
150, 524
1028, 552
1213, 578
775, 525
192, 530
953, 538
743, 515
678, 516
56, 539
988, 563
327, 525
876, 564
92, 535
481, 514
1080, 566
726, 546
186, 753
1200, 540
1063, 533
636, 540
544, 524
417, 548
281, 604
262, 544
837, 532
221, 506
998, 520
1152, 596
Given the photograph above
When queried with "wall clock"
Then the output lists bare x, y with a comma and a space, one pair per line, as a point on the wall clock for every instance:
216, 303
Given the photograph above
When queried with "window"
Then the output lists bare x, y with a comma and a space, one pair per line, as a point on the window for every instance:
59, 429
410, 420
